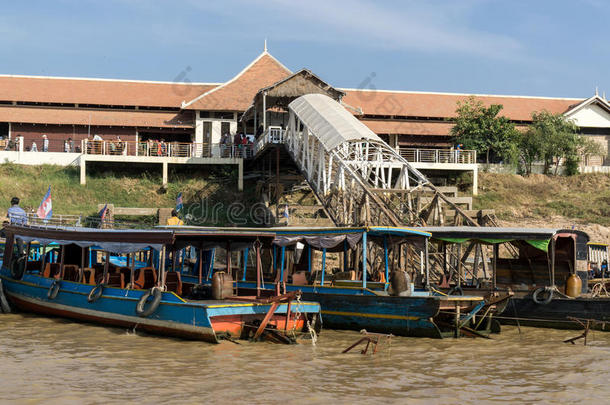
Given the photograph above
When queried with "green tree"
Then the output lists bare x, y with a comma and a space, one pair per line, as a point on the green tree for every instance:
552, 139
480, 128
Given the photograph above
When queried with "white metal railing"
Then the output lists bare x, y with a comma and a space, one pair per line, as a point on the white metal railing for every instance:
167, 149
438, 155
273, 135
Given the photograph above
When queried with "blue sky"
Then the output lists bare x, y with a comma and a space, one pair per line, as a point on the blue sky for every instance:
540, 48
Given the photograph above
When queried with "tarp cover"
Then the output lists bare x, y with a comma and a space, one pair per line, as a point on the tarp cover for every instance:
112, 247
328, 241
331, 123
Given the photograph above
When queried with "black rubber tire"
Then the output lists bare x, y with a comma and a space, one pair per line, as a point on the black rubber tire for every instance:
536, 296
54, 290
95, 293
18, 268
142, 309
457, 290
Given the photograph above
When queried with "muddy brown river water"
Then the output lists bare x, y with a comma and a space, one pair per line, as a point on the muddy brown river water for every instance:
54, 361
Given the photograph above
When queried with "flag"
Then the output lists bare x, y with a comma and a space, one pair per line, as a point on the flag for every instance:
103, 213
179, 202
45, 210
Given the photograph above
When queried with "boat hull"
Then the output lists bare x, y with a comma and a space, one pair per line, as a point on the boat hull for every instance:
206, 321
556, 314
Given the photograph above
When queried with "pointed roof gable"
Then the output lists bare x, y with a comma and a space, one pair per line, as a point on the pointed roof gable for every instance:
592, 112
237, 93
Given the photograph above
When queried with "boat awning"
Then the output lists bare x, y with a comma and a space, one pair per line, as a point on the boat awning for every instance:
336, 239
210, 238
110, 240
537, 237
330, 121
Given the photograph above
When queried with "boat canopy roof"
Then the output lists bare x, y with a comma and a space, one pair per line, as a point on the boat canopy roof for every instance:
111, 240
210, 238
334, 239
537, 237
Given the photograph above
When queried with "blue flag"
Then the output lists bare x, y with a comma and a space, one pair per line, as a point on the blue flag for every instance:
45, 210
179, 202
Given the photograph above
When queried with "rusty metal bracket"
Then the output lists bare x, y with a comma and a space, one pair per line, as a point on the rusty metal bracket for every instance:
370, 338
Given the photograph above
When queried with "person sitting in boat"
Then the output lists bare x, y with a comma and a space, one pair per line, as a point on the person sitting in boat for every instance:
174, 220
604, 269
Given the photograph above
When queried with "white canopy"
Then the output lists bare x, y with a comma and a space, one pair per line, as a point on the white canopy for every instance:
330, 121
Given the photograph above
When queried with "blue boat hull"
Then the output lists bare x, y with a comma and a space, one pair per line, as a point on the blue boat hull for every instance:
203, 320
357, 309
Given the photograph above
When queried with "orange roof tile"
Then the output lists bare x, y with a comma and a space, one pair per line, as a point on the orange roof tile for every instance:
409, 127
49, 115
237, 93
439, 105
98, 91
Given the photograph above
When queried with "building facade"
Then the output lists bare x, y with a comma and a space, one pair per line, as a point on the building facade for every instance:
200, 113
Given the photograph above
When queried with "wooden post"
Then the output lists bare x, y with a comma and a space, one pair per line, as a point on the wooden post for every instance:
61, 261
323, 266
259, 275
44, 259
364, 259
496, 250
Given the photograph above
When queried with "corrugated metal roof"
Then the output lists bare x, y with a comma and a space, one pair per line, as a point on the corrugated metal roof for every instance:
329, 121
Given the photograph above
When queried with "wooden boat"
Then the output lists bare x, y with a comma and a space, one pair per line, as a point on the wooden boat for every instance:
354, 273
536, 265
77, 280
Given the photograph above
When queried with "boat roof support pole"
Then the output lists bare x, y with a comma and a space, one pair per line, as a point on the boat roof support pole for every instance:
309, 258
363, 259
427, 264
27, 256
161, 278
345, 265
61, 261
81, 271
132, 270
496, 251
228, 259
44, 259
387, 266
259, 270
200, 273
553, 261
282, 253
245, 264
106, 264
323, 266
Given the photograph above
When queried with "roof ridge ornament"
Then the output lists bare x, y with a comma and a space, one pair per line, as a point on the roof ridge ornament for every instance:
265, 49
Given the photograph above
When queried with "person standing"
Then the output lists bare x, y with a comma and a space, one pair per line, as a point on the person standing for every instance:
34, 147
45, 143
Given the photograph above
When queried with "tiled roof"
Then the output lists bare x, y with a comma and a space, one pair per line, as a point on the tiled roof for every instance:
98, 91
237, 93
443, 105
409, 127
48, 115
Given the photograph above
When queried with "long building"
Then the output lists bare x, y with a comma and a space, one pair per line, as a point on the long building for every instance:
200, 113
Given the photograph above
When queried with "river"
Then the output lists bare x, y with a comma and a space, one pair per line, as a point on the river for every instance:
54, 361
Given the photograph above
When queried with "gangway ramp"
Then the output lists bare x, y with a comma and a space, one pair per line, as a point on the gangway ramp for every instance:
357, 176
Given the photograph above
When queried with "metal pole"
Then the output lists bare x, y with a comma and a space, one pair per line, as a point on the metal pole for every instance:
427, 265
259, 276
387, 267
282, 252
245, 264
309, 258
323, 265
496, 250
364, 259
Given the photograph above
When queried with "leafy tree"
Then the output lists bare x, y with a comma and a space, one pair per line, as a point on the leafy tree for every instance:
552, 138
480, 128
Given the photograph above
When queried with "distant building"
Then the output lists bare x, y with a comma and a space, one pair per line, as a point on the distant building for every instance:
74, 108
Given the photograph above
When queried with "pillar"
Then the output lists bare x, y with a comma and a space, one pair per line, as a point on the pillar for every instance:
475, 180
165, 173
83, 173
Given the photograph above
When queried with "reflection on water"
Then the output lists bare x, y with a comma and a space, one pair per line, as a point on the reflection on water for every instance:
56, 361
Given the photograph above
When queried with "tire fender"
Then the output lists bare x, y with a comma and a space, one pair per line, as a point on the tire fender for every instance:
145, 308
95, 293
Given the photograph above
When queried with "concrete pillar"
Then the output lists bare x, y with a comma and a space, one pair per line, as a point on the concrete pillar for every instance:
165, 173
83, 173
475, 180
240, 175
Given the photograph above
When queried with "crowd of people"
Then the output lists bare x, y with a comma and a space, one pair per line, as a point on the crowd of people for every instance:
238, 145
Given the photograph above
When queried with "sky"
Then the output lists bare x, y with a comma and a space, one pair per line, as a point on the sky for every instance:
536, 47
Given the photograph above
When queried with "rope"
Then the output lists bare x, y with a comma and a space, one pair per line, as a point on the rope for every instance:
599, 289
